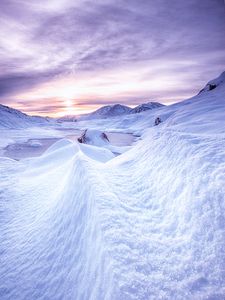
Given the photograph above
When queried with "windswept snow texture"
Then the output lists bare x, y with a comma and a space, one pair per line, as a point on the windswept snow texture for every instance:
79, 223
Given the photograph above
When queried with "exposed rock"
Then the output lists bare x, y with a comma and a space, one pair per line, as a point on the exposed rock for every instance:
158, 121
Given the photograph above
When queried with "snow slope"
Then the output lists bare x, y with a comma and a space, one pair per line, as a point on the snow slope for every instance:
145, 106
13, 118
191, 114
68, 118
148, 224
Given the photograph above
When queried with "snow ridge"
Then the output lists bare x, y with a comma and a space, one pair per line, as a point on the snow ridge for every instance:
146, 106
13, 118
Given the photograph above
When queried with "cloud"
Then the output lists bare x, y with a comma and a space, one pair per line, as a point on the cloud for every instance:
15, 82
45, 40
45, 106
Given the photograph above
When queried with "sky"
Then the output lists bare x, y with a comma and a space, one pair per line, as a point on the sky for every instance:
64, 57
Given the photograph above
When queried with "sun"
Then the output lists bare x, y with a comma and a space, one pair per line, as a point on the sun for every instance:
68, 103
69, 107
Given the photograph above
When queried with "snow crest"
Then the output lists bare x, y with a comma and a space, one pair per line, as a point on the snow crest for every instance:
56, 251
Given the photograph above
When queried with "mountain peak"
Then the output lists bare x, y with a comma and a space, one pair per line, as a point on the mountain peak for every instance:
109, 111
212, 84
146, 106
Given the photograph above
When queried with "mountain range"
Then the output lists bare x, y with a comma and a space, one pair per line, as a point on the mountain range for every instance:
110, 111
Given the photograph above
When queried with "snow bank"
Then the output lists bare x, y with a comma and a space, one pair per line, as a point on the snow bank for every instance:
211, 85
168, 215
102, 155
94, 137
53, 229
100, 139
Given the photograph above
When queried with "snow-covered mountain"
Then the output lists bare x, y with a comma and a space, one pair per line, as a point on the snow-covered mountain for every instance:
110, 111
13, 118
146, 106
138, 123
212, 84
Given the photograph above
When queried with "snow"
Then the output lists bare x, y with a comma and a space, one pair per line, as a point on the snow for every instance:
13, 118
79, 222
111, 111
214, 83
145, 106
11, 138
68, 118
35, 143
100, 139
95, 137
108, 111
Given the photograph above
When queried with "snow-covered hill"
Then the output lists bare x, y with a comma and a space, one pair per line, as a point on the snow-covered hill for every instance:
145, 106
107, 111
79, 223
211, 85
111, 111
13, 118
199, 105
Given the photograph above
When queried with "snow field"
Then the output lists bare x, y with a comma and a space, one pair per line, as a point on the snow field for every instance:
80, 223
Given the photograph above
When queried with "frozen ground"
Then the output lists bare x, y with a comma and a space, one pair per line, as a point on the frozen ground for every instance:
30, 147
80, 223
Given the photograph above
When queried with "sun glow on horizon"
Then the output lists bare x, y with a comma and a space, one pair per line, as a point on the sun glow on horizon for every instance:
70, 95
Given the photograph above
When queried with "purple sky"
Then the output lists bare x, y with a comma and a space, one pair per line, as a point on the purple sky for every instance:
65, 56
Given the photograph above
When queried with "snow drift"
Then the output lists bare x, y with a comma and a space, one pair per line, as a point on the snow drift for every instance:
100, 139
148, 224
94, 137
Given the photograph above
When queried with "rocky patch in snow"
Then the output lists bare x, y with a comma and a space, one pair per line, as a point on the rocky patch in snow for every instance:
93, 137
